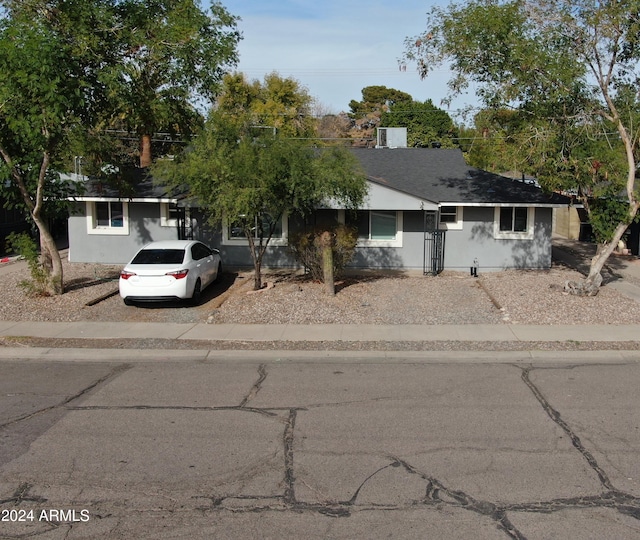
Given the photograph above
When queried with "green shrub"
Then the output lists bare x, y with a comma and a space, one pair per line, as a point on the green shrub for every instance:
307, 250
26, 247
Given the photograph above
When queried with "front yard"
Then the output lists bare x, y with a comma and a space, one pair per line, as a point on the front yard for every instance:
515, 297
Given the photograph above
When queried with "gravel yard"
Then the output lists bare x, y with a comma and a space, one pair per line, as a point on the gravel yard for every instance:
510, 297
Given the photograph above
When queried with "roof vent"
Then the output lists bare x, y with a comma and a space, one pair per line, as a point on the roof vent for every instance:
392, 137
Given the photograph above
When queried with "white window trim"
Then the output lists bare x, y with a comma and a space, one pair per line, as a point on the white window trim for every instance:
282, 241
92, 228
457, 226
165, 220
396, 242
508, 235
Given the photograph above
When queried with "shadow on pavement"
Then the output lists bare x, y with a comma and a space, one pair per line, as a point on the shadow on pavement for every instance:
577, 254
212, 297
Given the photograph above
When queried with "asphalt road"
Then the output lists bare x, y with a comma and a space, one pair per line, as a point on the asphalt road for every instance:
320, 449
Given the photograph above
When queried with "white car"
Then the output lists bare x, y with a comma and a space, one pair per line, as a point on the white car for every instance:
170, 270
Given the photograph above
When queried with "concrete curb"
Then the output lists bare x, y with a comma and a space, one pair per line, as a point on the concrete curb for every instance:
328, 332
138, 356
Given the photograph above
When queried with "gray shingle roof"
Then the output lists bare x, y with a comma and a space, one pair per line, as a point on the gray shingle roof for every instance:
436, 175
138, 184
443, 176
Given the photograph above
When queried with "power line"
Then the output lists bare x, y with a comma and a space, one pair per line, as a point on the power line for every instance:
332, 72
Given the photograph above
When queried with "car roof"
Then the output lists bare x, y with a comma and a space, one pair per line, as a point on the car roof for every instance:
171, 244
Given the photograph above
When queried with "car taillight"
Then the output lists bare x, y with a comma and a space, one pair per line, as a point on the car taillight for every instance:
178, 274
126, 275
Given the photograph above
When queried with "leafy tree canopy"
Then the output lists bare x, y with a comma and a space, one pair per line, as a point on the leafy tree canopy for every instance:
425, 123
52, 85
376, 99
72, 69
494, 142
243, 177
276, 103
174, 57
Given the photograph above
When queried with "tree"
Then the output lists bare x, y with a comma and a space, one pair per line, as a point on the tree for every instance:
569, 67
366, 114
377, 99
333, 126
280, 104
175, 55
495, 144
329, 124
71, 68
52, 56
250, 179
425, 123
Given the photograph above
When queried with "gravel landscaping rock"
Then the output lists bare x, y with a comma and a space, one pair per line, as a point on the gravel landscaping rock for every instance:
509, 297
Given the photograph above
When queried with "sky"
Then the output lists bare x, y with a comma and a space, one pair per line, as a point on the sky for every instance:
335, 48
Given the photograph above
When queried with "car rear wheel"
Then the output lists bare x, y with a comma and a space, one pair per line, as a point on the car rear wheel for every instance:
197, 293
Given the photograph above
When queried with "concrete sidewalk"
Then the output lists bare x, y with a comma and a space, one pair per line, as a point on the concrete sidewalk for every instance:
321, 332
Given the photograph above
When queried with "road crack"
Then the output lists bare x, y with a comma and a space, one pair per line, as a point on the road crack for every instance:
575, 440
262, 375
264, 412
437, 492
289, 475
21, 494
65, 402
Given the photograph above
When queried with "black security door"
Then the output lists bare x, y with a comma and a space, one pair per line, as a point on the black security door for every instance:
433, 245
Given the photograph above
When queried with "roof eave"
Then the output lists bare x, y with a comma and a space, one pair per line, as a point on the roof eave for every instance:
170, 200
511, 204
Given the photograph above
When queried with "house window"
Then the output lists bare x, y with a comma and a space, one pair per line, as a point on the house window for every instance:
513, 219
109, 214
234, 231
450, 217
168, 215
107, 217
514, 222
377, 227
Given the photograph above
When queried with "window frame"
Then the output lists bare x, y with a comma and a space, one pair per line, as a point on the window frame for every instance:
282, 240
94, 228
527, 234
371, 242
165, 213
451, 225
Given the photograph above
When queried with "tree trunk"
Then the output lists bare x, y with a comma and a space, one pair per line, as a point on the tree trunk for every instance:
257, 276
326, 241
45, 257
257, 260
145, 151
49, 254
591, 285
604, 251
50, 258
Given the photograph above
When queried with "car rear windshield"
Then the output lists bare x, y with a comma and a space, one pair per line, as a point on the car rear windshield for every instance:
159, 256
